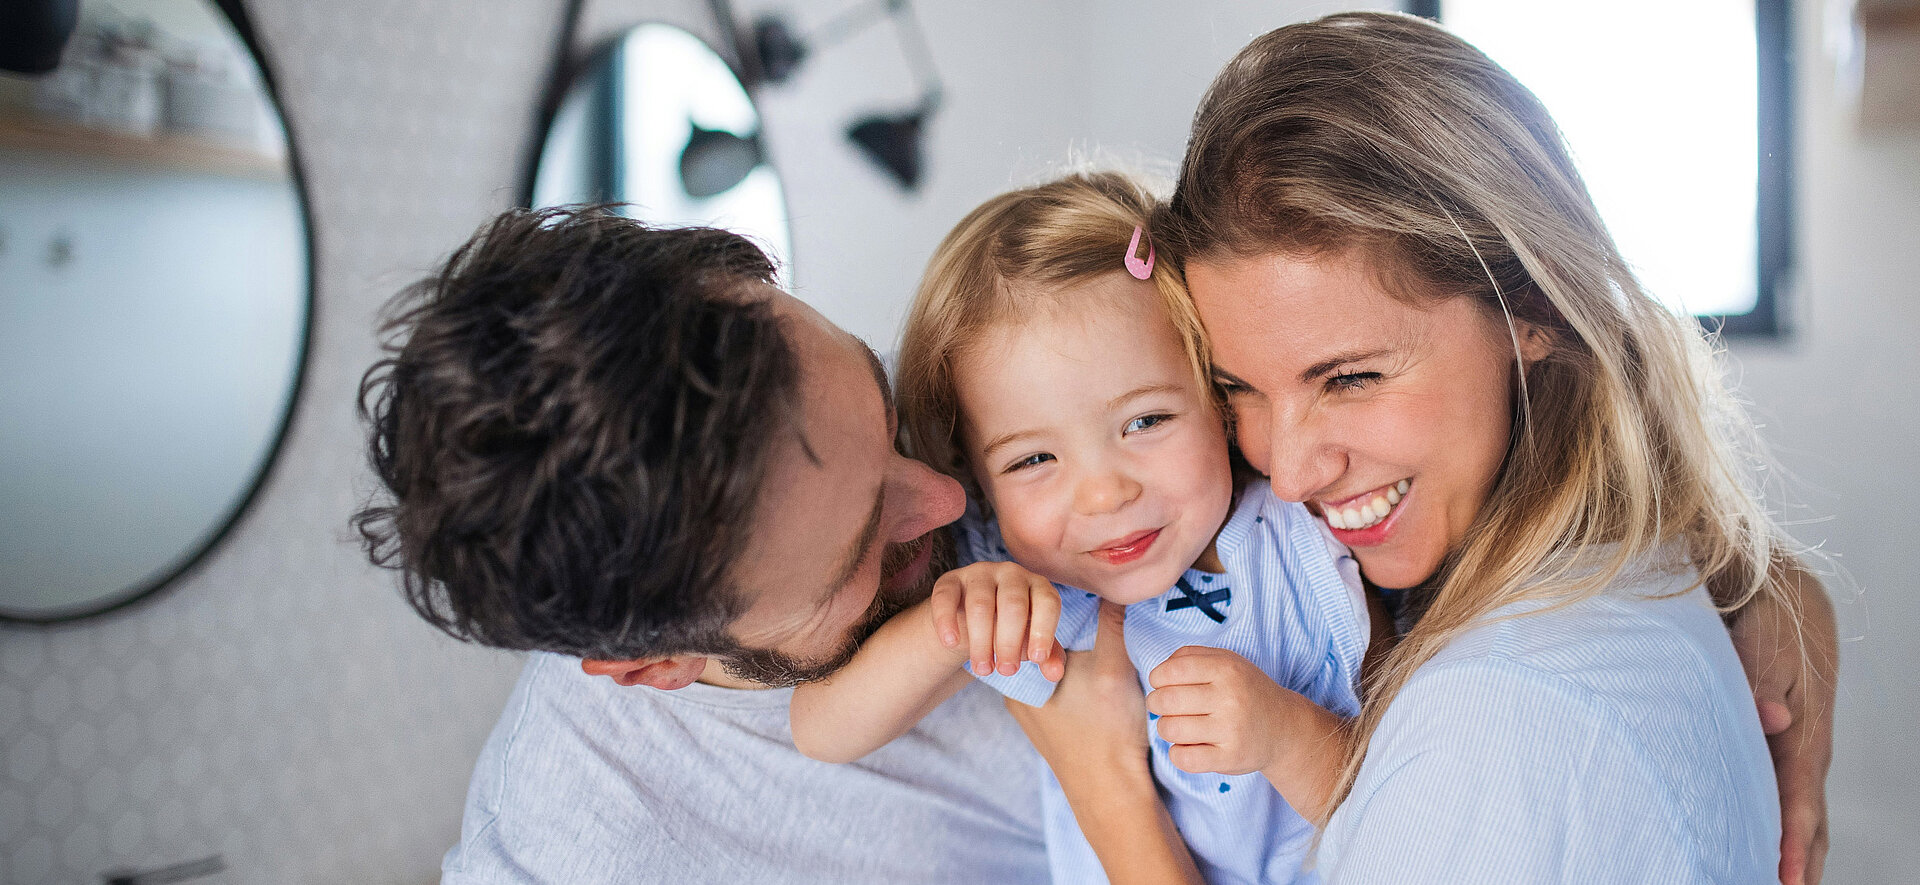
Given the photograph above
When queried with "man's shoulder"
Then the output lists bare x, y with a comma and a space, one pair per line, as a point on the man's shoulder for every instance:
587, 781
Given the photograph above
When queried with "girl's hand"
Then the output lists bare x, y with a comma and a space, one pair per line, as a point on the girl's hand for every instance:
999, 614
1222, 714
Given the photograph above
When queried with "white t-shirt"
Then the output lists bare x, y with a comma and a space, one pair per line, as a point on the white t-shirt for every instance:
584, 781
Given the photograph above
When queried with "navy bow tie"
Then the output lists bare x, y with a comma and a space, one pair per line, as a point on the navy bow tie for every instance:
1205, 602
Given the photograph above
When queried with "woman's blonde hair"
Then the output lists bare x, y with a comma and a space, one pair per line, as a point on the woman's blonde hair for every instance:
1383, 134
1014, 256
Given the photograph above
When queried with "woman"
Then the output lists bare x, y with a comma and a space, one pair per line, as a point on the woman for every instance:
1405, 286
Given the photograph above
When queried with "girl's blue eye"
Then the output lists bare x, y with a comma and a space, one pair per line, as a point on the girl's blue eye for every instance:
1353, 380
1145, 422
1029, 461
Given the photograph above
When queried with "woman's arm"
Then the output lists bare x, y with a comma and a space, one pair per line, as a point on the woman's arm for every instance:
1092, 732
1791, 653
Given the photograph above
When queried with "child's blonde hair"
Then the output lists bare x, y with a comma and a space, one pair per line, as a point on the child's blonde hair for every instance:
1009, 258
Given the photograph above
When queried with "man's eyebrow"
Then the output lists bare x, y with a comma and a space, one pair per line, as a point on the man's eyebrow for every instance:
886, 386
857, 554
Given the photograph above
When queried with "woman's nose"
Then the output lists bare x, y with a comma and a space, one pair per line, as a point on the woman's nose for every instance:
1298, 463
919, 500
1104, 491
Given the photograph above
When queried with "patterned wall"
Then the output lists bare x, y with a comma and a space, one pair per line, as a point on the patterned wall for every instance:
280, 706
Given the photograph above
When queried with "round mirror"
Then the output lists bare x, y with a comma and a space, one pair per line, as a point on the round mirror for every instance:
659, 122
154, 297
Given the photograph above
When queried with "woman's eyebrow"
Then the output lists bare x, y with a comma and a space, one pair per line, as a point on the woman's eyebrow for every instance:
1313, 373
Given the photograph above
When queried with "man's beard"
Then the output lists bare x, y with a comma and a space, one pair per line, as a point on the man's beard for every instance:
778, 669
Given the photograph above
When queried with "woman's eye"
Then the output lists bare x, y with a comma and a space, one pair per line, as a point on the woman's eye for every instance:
1231, 389
1146, 422
1353, 380
1028, 461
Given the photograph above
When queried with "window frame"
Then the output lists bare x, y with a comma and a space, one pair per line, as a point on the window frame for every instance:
1774, 207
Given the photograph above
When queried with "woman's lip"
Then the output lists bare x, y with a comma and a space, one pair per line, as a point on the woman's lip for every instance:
1129, 548
1372, 535
1363, 496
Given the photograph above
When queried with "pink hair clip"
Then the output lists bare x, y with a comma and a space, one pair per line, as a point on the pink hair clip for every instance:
1140, 269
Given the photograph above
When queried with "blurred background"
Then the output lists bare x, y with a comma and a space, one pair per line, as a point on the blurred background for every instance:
200, 671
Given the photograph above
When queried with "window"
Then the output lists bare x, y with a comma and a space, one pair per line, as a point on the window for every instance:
1677, 115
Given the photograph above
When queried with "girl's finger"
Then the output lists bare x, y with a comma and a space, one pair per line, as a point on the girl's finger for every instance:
945, 603
1010, 624
1044, 601
980, 605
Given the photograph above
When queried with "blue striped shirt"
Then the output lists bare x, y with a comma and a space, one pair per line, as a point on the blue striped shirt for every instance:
1290, 603
1613, 740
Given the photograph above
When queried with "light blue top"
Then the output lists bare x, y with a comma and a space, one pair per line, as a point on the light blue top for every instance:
1610, 741
1290, 602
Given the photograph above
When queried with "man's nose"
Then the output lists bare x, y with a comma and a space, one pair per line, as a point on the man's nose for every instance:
1104, 490
920, 499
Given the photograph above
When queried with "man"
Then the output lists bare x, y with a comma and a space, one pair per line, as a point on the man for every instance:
625, 450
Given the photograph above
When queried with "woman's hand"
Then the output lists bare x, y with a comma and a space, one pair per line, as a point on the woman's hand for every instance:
1093, 732
1791, 664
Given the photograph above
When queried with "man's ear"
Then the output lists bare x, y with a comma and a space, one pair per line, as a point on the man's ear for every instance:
678, 671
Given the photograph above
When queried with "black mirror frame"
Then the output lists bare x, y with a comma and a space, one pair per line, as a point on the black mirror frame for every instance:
149, 589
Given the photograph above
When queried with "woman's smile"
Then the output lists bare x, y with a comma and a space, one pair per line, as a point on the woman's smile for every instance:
1365, 518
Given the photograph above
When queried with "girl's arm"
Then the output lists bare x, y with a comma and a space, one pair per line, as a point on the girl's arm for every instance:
899, 675
993, 614
1090, 733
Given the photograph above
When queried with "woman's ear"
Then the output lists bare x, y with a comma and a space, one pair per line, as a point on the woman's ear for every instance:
1536, 343
667, 674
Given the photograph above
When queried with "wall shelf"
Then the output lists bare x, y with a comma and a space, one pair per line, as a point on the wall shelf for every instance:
163, 151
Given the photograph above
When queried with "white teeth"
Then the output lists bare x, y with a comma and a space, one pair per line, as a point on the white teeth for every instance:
1368, 514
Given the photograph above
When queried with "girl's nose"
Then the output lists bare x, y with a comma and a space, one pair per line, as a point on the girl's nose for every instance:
1104, 492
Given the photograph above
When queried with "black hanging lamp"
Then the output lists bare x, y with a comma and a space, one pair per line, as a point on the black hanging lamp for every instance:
891, 140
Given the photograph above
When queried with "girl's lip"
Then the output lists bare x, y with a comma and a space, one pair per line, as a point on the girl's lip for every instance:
1129, 548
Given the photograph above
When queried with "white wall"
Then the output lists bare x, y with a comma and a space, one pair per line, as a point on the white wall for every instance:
1842, 412
282, 707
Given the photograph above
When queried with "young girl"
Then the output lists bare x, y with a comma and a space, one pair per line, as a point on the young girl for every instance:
1050, 364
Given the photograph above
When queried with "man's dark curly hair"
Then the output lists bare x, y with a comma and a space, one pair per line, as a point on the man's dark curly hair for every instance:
574, 422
